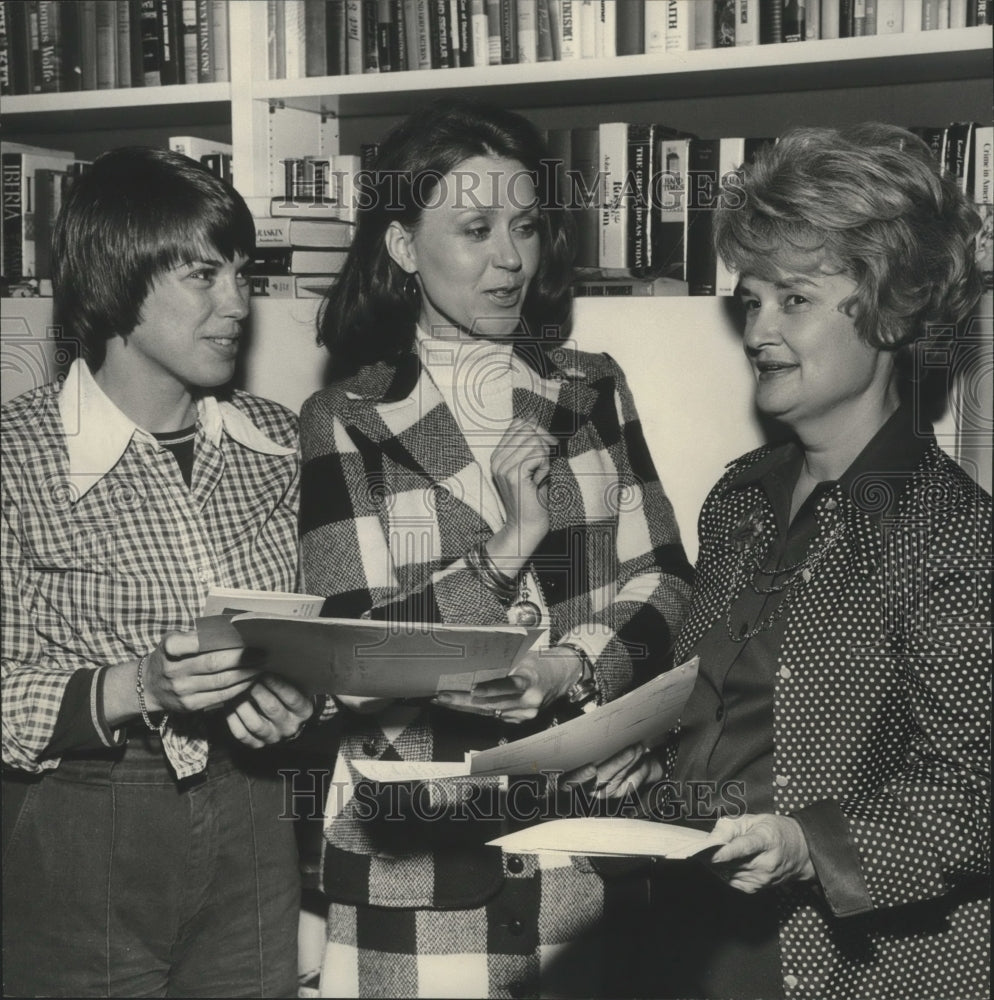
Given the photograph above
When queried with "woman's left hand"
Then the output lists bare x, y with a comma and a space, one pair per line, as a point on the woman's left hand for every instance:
761, 850
270, 711
535, 683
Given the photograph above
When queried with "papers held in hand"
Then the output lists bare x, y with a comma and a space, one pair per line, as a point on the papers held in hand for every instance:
596, 836
372, 658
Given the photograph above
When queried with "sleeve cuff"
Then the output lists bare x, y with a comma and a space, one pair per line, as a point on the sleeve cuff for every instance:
835, 859
80, 724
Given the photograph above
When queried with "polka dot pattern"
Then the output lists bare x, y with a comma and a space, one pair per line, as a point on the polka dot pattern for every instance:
882, 704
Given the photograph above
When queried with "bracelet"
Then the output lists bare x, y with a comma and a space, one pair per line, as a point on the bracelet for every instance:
480, 562
140, 688
583, 688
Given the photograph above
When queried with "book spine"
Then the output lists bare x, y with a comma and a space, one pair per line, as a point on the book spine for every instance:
402, 57
479, 31
151, 56
930, 15
106, 44
272, 286
584, 193
829, 27
959, 142
669, 200
205, 47
746, 19
703, 25
13, 216
70, 63
123, 54
958, 13
18, 45
354, 42
508, 32
631, 29
812, 20
656, 17
724, 23
890, 17
588, 29
48, 46
870, 26
191, 44
315, 38
6, 78
680, 26
370, 32
793, 21
462, 37
219, 41
731, 156
33, 49
605, 17
294, 40
412, 37
493, 32
702, 196
569, 39
913, 15
983, 196
385, 42
638, 182
423, 15
168, 62
613, 144
527, 31
88, 44
47, 183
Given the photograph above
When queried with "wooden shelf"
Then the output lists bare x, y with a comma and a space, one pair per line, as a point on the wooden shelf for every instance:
954, 54
89, 109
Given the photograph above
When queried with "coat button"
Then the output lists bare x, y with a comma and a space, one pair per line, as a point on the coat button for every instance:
515, 926
790, 982
831, 504
784, 673
782, 780
743, 630
515, 864
369, 748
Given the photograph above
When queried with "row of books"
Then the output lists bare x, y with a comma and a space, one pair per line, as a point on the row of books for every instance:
55, 46
335, 37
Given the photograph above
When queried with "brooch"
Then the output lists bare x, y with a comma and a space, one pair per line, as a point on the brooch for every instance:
748, 531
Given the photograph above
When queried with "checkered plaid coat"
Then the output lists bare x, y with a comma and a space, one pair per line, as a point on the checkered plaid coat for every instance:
391, 500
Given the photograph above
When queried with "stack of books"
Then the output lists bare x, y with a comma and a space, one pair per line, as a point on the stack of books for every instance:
55, 46
332, 37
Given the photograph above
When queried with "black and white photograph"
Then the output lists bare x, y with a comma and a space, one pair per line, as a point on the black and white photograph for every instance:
496, 498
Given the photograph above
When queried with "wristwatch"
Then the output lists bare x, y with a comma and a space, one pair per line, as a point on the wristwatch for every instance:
583, 690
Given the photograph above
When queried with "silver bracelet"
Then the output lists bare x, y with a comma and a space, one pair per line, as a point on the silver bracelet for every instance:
140, 688
480, 562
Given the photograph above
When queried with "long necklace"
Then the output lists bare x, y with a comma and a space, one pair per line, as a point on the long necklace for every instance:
749, 568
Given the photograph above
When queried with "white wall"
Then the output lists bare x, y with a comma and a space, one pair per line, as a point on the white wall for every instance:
682, 357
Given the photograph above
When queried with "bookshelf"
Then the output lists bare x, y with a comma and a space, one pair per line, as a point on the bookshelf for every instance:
681, 354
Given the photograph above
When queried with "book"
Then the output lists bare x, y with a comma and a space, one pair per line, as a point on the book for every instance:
584, 193
70, 55
273, 286
294, 40
680, 24
317, 261
703, 26
387, 49
170, 43
354, 32
746, 22
316, 37
359, 656
48, 200
631, 28
527, 33
219, 40
771, 22
656, 16
724, 23
983, 198
18, 193
231, 600
106, 44
627, 287
792, 24
307, 233
508, 32
48, 47
669, 248
640, 168
731, 157
958, 152
18, 34
336, 53
890, 17
151, 48
191, 46
812, 20
702, 194
545, 47
612, 138
6, 79
205, 42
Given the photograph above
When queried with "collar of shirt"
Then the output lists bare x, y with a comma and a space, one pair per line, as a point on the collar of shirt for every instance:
889, 458
98, 433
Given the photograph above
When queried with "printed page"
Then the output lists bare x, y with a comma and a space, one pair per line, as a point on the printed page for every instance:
225, 600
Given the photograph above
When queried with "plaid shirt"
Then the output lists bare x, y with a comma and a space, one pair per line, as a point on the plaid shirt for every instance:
391, 501
105, 548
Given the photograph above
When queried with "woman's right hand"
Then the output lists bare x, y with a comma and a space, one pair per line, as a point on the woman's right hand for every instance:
629, 770
520, 469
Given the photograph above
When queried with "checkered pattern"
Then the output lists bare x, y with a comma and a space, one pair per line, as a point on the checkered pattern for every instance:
97, 579
389, 477
542, 927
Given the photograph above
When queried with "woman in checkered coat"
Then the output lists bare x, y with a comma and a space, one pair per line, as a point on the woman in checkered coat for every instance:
467, 466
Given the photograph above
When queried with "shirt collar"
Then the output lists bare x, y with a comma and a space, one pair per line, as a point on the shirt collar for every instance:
98, 433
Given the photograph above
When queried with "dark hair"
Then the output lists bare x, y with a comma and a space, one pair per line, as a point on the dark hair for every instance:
869, 201
369, 314
135, 213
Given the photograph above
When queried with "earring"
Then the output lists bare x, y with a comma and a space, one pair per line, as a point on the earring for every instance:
411, 288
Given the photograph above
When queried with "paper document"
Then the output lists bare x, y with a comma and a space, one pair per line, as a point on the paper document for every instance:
224, 600
373, 658
644, 716
599, 836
